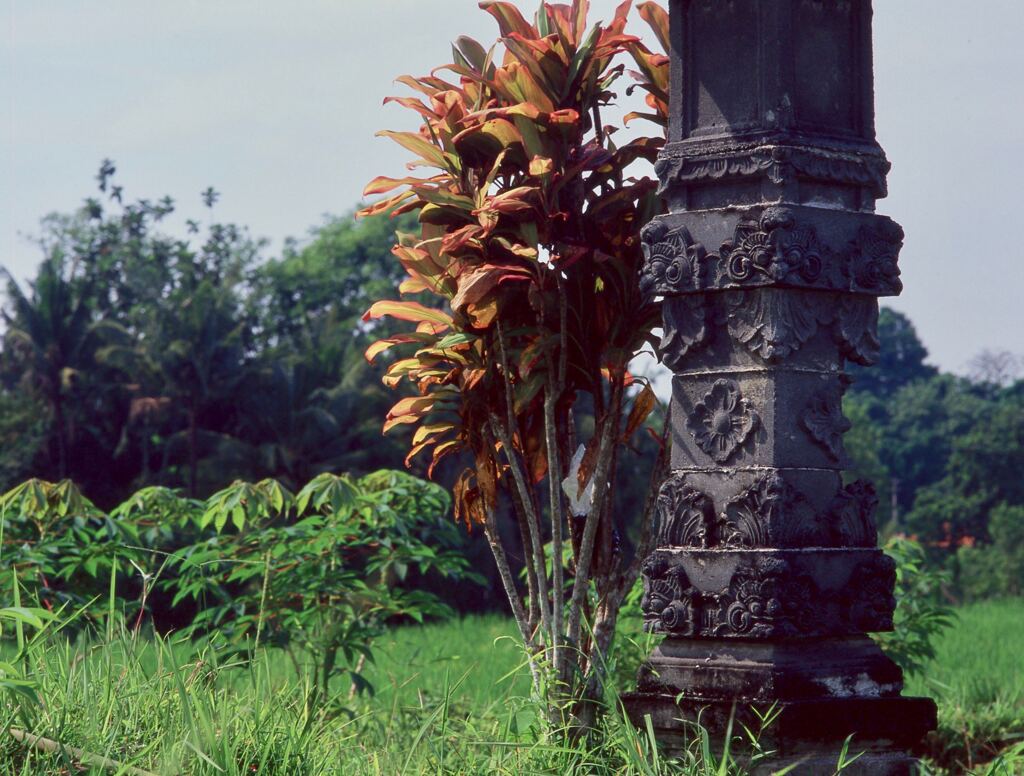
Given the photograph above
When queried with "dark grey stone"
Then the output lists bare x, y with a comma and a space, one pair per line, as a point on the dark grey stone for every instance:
766, 576
759, 593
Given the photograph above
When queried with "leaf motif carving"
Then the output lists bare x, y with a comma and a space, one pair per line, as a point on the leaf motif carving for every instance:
772, 323
685, 321
857, 328
852, 516
685, 515
770, 513
824, 420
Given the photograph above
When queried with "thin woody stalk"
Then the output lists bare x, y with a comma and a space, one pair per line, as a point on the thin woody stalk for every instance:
531, 521
528, 563
508, 582
646, 542
525, 494
581, 582
557, 521
556, 384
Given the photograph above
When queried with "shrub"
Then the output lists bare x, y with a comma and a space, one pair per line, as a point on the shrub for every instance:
529, 248
921, 616
319, 573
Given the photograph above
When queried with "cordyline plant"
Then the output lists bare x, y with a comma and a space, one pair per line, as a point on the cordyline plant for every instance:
530, 245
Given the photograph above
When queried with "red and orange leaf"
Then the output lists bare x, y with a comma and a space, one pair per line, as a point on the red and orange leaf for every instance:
480, 281
426, 150
443, 449
643, 405
509, 19
407, 311
657, 19
380, 346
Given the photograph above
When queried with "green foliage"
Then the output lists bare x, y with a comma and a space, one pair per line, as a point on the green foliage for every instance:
452, 697
947, 453
61, 545
996, 569
311, 299
921, 617
977, 678
901, 359
136, 359
320, 572
23, 435
450, 701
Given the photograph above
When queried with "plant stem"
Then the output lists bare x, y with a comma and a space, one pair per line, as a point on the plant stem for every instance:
609, 431
33, 741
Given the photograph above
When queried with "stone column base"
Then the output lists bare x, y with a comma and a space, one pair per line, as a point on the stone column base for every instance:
808, 733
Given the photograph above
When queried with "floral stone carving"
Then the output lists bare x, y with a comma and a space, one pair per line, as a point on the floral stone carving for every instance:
723, 421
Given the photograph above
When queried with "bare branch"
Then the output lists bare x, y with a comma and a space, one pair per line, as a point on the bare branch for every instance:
532, 521
609, 432
508, 582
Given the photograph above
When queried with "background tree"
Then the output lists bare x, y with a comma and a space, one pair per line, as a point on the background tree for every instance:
50, 345
187, 360
901, 359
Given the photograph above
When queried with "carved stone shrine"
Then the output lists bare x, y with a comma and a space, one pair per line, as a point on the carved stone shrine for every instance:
767, 578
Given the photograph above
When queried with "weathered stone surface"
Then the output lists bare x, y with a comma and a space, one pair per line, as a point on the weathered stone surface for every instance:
759, 418
764, 671
762, 327
785, 246
770, 508
769, 266
768, 593
807, 733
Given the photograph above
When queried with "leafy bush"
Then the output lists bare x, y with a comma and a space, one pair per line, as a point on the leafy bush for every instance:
995, 569
319, 573
61, 546
920, 614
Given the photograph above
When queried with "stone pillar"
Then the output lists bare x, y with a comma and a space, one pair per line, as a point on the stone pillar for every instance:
767, 577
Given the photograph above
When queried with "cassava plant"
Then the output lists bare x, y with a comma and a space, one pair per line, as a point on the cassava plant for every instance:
528, 255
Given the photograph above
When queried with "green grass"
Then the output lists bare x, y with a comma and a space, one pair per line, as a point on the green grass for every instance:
449, 698
413, 663
977, 679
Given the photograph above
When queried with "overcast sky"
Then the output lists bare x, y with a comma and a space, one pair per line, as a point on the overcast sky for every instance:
275, 105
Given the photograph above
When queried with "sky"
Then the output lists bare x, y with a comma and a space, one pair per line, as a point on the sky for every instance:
275, 104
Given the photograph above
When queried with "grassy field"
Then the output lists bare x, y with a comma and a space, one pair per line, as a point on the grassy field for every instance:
977, 679
449, 698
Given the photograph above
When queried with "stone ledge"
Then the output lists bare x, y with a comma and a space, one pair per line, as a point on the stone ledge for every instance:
775, 245
808, 732
765, 593
760, 672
